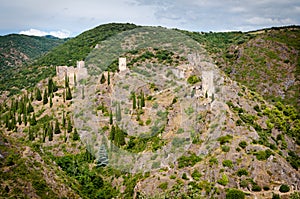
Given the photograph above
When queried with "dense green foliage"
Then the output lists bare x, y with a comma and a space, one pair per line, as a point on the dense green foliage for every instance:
191, 160
16, 49
79, 47
234, 194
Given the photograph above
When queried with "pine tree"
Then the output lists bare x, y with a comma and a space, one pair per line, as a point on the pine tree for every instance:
70, 127
56, 128
45, 97
110, 118
38, 95
102, 157
102, 80
75, 135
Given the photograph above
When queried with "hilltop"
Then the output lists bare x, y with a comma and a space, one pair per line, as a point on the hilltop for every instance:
171, 123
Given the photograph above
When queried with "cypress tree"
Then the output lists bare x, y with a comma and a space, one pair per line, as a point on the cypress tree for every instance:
75, 80
31, 137
82, 92
51, 103
66, 81
133, 101
102, 80
50, 131
70, 127
118, 113
33, 121
38, 95
56, 128
30, 108
110, 118
50, 86
45, 97
112, 133
75, 135
63, 119
108, 78
64, 96
25, 119
19, 119
54, 87
142, 99
68, 94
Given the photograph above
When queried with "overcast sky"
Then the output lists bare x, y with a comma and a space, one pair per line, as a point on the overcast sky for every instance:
63, 18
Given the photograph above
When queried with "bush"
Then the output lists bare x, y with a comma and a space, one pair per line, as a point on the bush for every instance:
242, 172
227, 163
213, 161
193, 79
284, 188
224, 180
243, 144
256, 187
225, 149
224, 139
275, 196
191, 160
234, 194
184, 176
163, 185
196, 175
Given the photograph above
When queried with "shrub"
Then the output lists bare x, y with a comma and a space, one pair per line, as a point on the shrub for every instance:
284, 188
224, 180
196, 175
213, 161
266, 188
227, 163
184, 176
163, 185
234, 194
242, 172
256, 187
275, 196
191, 160
193, 79
225, 149
172, 177
243, 144
263, 155
224, 139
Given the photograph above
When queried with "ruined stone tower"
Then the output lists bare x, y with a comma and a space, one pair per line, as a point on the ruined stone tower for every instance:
122, 64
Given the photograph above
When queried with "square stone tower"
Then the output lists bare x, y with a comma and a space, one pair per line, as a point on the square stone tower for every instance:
122, 64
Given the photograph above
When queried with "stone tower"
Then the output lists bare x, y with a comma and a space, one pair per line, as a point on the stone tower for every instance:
122, 64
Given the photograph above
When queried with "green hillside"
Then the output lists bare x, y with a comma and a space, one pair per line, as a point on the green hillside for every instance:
159, 129
14, 79
267, 61
79, 47
16, 49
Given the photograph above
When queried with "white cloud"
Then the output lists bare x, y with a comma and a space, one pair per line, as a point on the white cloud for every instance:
34, 32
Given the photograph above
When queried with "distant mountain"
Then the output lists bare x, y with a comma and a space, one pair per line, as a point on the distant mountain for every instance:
17, 49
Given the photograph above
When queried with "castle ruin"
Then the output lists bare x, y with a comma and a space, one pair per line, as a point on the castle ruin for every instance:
122, 64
